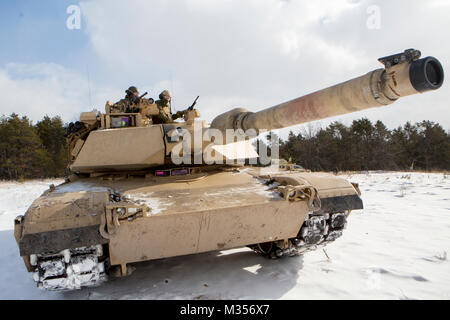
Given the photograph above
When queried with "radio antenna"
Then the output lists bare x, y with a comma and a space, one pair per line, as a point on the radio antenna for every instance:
89, 85
171, 89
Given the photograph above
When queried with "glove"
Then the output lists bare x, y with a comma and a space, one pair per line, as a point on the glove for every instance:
179, 114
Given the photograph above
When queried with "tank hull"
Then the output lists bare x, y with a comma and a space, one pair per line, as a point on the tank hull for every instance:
186, 215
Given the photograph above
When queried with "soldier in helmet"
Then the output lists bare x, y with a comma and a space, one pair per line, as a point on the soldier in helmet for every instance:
128, 104
164, 109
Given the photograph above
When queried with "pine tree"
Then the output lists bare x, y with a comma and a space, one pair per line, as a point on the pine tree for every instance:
22, 154
367, 146
51, 132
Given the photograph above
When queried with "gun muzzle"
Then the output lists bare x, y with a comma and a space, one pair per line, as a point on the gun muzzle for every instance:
143, 95
426, 74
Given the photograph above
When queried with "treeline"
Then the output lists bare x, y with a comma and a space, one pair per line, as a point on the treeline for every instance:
39, 150
370, 146
32, 151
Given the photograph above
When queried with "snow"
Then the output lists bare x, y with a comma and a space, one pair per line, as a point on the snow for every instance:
396, 248
79, 187
156, 204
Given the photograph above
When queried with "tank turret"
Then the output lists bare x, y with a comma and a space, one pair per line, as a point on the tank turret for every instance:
130, 141
404, 74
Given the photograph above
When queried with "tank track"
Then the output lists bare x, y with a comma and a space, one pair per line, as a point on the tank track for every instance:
317, 231
69, 269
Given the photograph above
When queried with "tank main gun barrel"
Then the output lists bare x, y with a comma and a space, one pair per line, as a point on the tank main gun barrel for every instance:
404, 74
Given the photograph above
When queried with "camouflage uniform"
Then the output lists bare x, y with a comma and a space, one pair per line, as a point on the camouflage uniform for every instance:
164, 114
164, 111
129, 103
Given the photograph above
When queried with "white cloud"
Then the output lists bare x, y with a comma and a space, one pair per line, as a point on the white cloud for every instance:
38, 89
262, 52
439, 3
253, 53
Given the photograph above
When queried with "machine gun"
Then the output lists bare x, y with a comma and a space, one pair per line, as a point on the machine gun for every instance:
136, 100
193, 105
183, 113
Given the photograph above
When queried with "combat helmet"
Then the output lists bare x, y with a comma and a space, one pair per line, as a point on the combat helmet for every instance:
164, 94
132, 90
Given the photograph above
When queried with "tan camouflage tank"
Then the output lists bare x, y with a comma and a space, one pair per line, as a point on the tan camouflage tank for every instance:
129, 198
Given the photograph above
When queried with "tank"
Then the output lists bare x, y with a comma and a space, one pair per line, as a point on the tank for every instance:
139, 191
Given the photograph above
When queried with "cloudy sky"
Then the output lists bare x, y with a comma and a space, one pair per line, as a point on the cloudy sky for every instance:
246, 53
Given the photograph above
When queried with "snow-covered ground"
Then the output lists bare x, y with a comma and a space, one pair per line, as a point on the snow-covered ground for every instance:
396, 248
